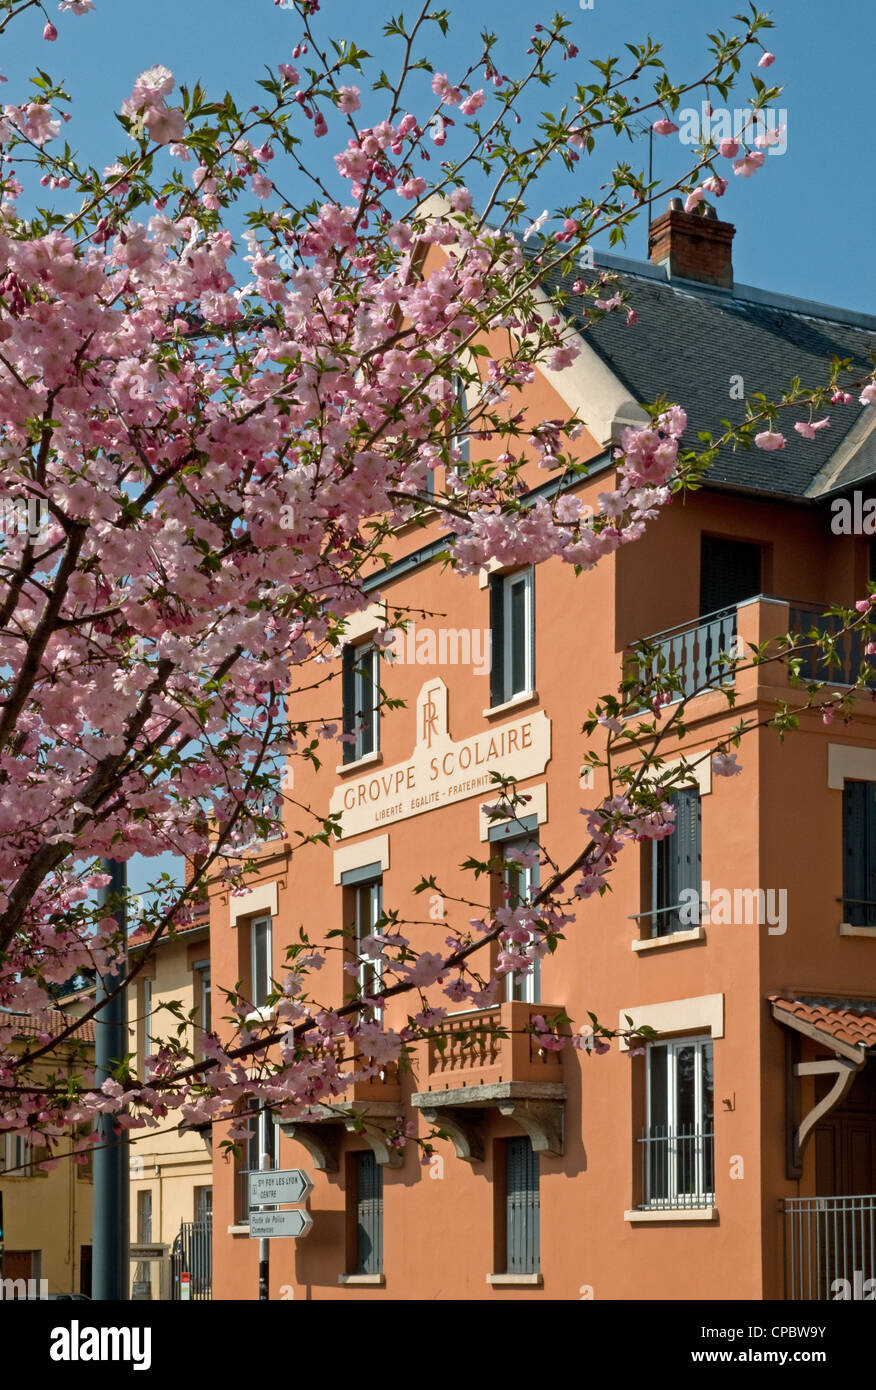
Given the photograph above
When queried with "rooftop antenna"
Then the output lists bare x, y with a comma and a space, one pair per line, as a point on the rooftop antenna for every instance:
645, 128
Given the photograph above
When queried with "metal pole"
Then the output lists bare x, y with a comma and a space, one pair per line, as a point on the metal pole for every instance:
111, 1221
264, 1247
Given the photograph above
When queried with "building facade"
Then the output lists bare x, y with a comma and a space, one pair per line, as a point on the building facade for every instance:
735, 1157
170, 1166
45, 1213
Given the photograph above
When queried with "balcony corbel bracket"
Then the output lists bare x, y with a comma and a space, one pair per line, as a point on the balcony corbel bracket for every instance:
322, 1142
375, 1133
466, 1131
542, 1120
845, 1071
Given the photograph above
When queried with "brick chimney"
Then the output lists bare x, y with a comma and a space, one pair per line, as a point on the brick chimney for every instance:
694, 245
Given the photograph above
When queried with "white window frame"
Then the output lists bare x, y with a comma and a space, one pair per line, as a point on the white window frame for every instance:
150, 1042
669, 1048
261, 1011
201, 970
145, 1209
365, 688
17, 1155
509, 583
462, 442
370, 971
528, 985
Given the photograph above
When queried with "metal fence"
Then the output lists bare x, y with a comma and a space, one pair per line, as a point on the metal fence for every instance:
192, 1254
829, 1247
677, 1167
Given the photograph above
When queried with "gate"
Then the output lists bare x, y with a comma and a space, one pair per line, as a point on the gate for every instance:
192, 1254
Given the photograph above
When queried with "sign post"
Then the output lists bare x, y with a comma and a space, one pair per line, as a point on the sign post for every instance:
269, 1188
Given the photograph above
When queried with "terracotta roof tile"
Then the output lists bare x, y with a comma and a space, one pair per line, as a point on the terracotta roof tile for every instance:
51, 1021
138, 937
849, 1021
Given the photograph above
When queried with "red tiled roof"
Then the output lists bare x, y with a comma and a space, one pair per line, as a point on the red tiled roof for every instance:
142, 935
51, 1021
848, 1021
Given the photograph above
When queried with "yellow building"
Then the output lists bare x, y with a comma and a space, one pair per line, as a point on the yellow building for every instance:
46, 1213
171, 1171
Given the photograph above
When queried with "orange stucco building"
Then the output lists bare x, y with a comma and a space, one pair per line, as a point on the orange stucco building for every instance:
736, 1157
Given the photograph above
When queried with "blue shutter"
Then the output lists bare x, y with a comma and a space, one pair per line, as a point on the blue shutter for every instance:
676, 863
369, 1214
859, 858
497, 639
461, 436
521, 1202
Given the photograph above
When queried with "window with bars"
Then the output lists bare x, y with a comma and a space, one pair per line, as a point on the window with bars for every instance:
521, 1206
361, 698
512, 635
859, 854
677, 1146
674, 869
366, 1193
263, 1142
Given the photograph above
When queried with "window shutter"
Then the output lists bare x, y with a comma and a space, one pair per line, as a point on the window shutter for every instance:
461, 437
859, 859
688, 835
522, 1205
369, 1214
677, 860
348, 698
497, 639
729, 573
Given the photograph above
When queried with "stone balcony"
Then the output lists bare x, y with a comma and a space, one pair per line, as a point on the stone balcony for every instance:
485, 1060
696, 651
370, 1107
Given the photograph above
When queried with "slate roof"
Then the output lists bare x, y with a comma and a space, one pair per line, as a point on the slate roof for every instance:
849, 1021
688, 342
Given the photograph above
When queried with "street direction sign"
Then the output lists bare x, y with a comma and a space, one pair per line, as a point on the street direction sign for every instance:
267, 1225
273, 1187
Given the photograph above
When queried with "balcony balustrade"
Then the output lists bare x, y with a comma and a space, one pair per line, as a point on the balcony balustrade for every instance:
697, 651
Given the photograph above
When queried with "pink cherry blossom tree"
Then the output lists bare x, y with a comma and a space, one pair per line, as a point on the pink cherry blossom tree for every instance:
225, 381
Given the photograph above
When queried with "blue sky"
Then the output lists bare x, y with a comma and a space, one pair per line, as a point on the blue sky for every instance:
804, 222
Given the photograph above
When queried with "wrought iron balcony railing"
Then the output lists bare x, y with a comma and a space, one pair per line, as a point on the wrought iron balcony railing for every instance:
677, 1167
